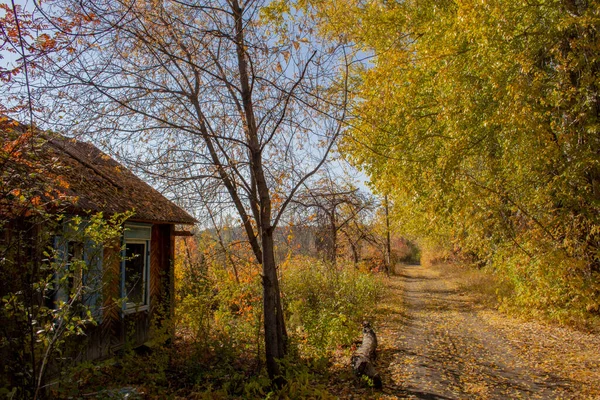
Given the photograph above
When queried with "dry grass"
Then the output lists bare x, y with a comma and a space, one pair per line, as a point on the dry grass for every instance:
479, 284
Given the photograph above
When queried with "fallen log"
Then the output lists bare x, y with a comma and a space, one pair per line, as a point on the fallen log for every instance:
364, 356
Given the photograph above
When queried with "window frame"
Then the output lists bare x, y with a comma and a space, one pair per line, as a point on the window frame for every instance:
69, 247
136, 233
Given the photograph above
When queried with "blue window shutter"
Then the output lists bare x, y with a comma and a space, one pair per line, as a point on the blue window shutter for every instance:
93, 257
61, 253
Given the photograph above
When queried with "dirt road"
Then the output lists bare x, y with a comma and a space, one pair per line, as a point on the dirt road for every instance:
437, 342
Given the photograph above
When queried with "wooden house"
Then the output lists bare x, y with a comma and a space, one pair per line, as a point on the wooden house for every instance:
134, 278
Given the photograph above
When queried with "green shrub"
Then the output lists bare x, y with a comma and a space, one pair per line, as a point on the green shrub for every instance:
325, 305
548, 285
219, 349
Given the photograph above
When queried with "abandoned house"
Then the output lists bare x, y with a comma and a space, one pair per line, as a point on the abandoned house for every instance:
133, 278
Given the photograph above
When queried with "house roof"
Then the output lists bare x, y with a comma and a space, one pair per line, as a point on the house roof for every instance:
97, 182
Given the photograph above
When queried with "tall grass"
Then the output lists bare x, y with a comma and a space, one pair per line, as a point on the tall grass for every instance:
219, 318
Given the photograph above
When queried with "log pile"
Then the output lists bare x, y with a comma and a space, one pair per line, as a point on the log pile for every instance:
363, 358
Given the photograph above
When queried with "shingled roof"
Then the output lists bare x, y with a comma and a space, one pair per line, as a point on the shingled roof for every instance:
99, 183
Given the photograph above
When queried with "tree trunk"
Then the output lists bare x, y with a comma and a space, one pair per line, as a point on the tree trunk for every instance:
354, 248
275, 332
334, 228
388, 244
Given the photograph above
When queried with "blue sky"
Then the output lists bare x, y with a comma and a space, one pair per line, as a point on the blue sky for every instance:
340, 167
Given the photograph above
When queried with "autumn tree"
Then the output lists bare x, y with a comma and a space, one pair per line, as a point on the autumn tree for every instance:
227, 96
27, 39
44, 301
481, 121
358, 230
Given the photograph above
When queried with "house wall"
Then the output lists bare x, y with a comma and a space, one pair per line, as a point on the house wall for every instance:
117, 328
161, 264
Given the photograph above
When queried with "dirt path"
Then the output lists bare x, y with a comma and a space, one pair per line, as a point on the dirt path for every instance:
436, 342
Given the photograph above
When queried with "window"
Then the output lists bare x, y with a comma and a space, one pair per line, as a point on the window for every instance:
77, 274
135, 267
135, 274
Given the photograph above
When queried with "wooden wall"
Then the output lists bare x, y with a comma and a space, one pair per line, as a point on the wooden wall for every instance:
118, 329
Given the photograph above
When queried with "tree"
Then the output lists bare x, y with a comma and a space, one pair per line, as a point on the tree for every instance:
224, 96
47, 260
481, 122
336, 206
359, 229
27, 39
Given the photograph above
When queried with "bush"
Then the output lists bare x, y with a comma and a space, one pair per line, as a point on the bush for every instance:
538, 281
324, 304
549, 285
219, 348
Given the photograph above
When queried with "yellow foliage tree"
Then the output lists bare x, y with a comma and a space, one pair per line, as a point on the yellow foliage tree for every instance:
481, 121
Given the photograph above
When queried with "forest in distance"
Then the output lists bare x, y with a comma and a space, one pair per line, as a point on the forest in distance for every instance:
183, 213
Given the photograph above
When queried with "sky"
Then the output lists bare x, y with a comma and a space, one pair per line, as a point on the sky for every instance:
340, 167
7, 58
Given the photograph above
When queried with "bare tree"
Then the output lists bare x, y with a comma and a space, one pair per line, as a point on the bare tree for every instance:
359, 230
232, 97
338, 206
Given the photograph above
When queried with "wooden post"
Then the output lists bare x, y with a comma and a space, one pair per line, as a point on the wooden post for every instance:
362, 360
